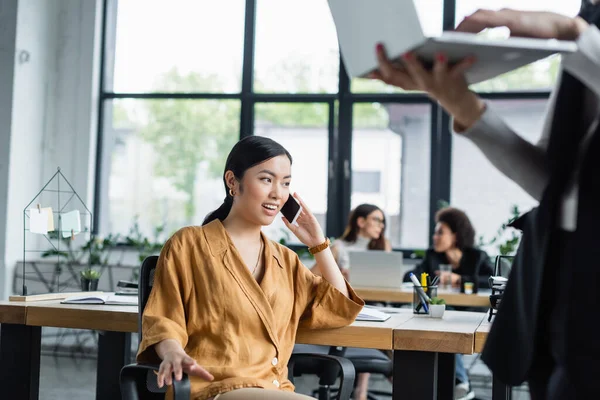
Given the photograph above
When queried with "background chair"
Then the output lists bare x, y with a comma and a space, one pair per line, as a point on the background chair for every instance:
370, 361
138, 381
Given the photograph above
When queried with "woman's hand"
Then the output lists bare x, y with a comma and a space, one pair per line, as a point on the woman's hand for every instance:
543, 25
176, 363
455, 280
308, 230
445, 84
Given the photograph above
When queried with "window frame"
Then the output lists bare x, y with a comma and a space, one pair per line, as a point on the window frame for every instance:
339, 126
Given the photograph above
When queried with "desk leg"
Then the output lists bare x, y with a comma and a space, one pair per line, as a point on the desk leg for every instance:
446, 375
114, 351
20, 361
415, 375
500, 391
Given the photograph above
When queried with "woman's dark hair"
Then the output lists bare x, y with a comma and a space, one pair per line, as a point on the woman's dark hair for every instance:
246, 153
351, 233
459, 224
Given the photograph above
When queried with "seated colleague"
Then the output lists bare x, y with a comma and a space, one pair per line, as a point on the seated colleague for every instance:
365, 231
227, 301
453, 243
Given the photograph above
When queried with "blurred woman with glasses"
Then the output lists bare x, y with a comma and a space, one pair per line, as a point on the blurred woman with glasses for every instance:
365, 231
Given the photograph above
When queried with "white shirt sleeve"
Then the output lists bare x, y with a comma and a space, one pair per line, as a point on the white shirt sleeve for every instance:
519, 160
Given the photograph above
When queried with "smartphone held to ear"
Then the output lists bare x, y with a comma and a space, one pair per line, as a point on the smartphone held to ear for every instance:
291, 209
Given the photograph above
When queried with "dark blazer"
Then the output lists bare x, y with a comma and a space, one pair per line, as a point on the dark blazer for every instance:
475, 266
510, 348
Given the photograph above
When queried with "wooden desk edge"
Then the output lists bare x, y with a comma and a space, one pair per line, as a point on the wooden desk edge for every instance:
13, 314
481, 335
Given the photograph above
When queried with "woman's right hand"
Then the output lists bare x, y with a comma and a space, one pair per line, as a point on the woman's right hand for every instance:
176, 363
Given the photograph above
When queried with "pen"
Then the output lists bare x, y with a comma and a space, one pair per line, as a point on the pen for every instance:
422, 294
435, 281
424, 281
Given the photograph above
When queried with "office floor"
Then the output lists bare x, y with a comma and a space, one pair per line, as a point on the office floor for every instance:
75, 378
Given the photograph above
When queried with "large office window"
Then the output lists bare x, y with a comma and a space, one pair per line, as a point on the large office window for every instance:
390, 167
181, 82
302, 130
296, 47
177, 46
478, 187
165, 161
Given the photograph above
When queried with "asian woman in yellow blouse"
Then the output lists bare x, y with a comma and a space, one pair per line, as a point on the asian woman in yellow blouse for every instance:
227, 301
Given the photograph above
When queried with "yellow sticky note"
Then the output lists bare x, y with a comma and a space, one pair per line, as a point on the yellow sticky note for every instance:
50, 218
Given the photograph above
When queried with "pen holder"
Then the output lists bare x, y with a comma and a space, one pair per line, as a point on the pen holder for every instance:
419, 304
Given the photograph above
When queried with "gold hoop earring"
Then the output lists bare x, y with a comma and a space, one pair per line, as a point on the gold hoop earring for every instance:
231, 192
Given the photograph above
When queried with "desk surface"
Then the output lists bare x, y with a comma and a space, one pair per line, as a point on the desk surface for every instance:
83, 316
371, 335
455, 333
403, 295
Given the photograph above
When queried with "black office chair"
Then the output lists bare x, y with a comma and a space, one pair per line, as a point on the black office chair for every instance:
370, 361
138, 381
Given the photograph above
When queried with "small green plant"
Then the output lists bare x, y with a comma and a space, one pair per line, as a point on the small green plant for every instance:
437, 301
90, 274
507, 238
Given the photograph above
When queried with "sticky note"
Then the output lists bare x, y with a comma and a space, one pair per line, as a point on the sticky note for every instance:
38, 221
50, 218
70, 223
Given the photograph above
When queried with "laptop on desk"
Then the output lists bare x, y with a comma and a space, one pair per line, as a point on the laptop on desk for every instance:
362, 24
377, 269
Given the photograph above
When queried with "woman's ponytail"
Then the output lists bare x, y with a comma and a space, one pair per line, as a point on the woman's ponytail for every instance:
220, 213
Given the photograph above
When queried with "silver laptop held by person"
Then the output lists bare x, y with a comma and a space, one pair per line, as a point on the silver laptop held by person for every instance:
362, 24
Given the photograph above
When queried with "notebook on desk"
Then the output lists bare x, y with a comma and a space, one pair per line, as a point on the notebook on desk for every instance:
362, 24
376, 269
372, 314
107, 299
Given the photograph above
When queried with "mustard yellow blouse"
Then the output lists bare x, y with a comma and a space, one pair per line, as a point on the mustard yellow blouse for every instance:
242, 332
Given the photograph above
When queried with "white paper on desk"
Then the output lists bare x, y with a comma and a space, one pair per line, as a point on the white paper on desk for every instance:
38, 221
70, 223
370, 314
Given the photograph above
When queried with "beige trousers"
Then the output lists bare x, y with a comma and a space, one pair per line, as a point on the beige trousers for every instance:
260, 394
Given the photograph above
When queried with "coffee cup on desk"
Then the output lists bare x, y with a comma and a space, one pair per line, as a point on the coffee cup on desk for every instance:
468, 287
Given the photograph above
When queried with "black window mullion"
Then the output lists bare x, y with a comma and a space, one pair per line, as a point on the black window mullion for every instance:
332, 182
98, 174
343, 167
247, 106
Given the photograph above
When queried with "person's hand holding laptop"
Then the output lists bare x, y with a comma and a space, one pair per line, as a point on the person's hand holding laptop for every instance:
384, 40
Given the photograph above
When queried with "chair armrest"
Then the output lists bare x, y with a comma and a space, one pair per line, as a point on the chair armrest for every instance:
134, 376
332, 367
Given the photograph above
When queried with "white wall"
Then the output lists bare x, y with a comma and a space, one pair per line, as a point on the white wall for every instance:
8, 25
54, 103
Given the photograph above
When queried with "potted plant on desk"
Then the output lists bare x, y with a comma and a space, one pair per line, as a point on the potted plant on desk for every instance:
89, 280
437, 306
